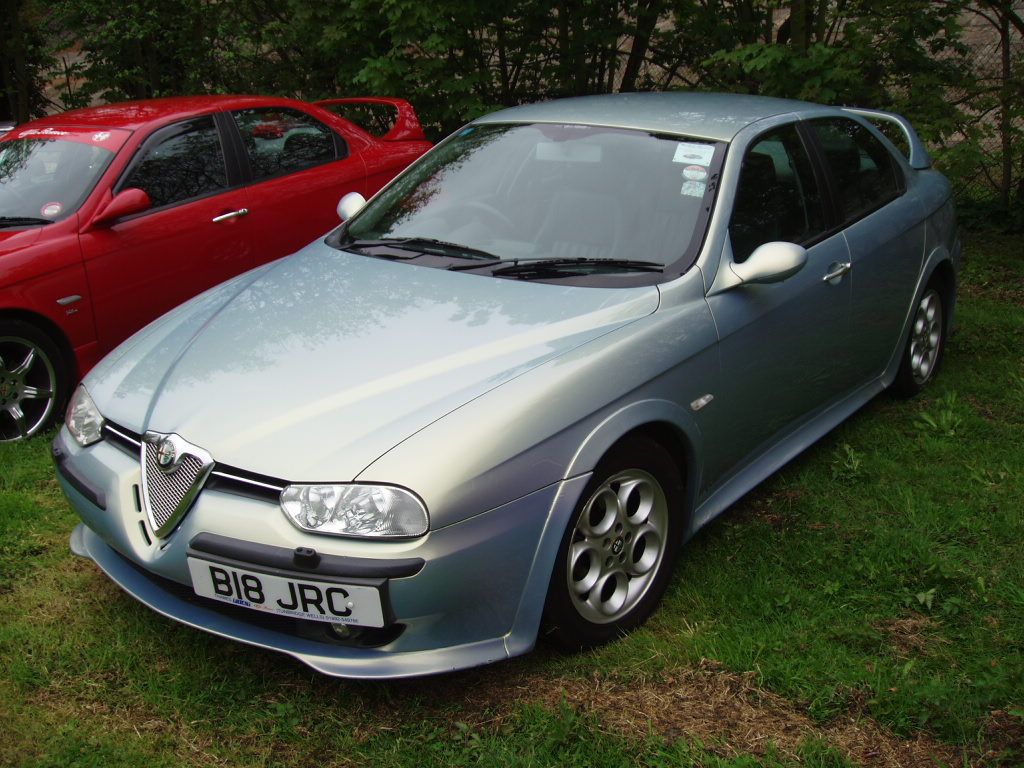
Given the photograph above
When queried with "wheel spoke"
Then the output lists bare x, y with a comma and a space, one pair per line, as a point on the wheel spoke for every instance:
644, 551
30, 358
585, 567
19, 419
36, 393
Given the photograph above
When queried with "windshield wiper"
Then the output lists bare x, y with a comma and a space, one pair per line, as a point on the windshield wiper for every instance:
528, 267
21, 221
422, 245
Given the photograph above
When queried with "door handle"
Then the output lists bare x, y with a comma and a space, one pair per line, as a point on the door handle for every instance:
837, 270
231, 215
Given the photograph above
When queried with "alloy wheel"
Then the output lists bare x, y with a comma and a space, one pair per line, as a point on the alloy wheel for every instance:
28, 381
926, 337
618, 546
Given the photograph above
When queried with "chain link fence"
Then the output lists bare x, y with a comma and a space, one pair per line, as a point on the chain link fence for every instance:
974, 154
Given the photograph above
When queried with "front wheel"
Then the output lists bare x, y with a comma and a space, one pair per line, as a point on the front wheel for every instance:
616, 557
924, 348
33, 382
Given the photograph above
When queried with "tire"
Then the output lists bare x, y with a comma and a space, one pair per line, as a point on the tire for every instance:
34, 381
616, 555
923, 353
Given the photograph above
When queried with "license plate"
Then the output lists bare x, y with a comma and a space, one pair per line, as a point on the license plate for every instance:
288, 596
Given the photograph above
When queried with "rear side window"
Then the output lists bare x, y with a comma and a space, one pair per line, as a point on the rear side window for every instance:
865, 173
280, 141
185, 162
777, 197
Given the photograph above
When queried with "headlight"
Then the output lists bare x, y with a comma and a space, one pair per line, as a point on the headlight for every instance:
355, 510
83, 419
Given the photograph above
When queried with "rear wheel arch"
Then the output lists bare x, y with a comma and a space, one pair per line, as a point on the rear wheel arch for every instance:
943, 278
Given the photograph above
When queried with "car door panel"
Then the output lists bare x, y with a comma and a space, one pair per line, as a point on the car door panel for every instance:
782, 345
298, 168
310, 196
887, 251
144, 265
884, 229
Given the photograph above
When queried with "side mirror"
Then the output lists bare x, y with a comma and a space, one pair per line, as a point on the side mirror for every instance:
769, 263
350, 205
125, 203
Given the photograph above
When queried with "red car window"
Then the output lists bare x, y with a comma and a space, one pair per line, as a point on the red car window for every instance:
186, 162
279, 141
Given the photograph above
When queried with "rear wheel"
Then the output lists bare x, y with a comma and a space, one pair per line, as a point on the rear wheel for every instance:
616, 557
33, 380
924, 349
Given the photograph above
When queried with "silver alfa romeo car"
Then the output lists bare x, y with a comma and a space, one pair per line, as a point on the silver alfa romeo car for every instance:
495, 402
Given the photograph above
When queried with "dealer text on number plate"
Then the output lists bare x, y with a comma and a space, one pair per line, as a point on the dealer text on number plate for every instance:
315, 600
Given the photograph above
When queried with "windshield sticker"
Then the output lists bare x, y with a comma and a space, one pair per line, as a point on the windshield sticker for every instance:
695, 172
692, 152
693, 189
51, 210
110, 139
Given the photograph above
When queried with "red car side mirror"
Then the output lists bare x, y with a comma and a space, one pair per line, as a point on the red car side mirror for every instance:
125, 203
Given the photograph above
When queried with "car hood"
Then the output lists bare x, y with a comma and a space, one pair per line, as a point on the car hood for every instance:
316, 365
14, 239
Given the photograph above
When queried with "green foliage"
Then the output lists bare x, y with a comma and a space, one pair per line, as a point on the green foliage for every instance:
457, 59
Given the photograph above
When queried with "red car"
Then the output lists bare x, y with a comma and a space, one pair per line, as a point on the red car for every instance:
112, 215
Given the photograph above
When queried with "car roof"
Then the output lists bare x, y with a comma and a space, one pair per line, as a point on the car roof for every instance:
137, 114
717, 116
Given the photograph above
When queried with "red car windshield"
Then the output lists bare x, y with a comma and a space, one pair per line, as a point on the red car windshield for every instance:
46, 174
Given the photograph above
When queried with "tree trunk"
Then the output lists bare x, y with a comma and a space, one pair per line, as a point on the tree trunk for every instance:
646, 20
798, 24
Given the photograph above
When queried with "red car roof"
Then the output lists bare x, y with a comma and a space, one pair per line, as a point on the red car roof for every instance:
137, 114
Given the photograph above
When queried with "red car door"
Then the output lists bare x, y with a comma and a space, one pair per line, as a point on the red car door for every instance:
195, 235
299, 169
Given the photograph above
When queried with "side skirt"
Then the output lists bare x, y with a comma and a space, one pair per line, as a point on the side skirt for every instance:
780, 453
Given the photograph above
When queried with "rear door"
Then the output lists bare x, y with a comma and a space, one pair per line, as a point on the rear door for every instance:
885, 230
195, 236
299, 168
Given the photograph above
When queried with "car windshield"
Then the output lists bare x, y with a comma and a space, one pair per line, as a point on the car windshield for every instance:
551, 191
46, 179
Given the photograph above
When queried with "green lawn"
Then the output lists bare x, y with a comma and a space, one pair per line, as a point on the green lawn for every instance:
864, 606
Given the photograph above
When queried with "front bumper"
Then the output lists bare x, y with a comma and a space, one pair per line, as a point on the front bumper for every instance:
477, 598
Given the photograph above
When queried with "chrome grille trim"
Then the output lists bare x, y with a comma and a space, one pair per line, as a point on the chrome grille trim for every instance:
122, 439
249, 481
168, 492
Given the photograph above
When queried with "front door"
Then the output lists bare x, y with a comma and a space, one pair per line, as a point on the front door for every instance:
780, 344
195, 235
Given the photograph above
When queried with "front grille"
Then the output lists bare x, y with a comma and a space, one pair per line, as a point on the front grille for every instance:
168, 491
165, 492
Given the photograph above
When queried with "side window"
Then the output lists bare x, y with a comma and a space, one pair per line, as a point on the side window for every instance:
187, 162
777, 197
280, 141
866, 175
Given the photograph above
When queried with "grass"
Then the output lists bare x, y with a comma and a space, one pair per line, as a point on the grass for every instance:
863, 606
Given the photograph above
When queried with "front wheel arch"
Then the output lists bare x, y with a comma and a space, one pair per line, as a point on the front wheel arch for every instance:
637, 461
32, 395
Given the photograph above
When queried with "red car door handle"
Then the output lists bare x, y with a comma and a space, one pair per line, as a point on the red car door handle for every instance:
231, 215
